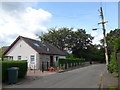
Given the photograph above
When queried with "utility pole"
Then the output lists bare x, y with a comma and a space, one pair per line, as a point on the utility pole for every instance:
104, 34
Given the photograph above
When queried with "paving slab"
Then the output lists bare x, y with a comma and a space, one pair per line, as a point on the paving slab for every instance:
108, 79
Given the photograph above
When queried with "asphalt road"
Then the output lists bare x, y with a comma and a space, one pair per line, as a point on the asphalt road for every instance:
86, 77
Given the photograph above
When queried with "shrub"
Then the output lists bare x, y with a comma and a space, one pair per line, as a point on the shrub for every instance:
113, 66
8, 64
70, 60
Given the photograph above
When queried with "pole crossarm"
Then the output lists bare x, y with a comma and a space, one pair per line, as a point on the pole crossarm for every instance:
103, 22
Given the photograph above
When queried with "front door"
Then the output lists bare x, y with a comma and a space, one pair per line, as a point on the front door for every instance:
51, 61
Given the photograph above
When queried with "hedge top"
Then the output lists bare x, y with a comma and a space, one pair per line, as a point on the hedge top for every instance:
78, 59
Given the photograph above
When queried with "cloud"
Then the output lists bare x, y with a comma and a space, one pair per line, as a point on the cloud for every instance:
97, 37
17, 19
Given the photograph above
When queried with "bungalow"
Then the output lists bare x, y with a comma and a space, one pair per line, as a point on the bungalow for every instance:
34, 52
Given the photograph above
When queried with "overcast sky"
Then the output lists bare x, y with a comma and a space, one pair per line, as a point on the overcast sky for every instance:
28, 19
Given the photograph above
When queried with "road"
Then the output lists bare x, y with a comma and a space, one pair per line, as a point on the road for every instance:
86, 77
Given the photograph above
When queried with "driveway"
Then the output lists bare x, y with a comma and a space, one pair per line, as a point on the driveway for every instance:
86, 77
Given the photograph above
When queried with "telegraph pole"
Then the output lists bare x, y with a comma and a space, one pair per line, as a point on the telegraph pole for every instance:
104, 34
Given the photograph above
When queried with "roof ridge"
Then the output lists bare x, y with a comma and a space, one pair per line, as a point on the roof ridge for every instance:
30, 38
31, 42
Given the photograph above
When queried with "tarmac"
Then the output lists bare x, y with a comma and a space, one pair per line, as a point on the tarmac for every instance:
107, 80
30, 76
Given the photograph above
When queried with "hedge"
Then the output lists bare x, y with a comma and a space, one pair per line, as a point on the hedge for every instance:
7, 64
113, 65
70, 60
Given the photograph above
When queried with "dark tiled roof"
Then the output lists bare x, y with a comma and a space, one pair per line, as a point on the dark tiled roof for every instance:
43, 47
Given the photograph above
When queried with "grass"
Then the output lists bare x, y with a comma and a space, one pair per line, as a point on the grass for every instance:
112, 87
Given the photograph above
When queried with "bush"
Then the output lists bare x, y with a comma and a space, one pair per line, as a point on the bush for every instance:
8, 64
70, 60
113, 66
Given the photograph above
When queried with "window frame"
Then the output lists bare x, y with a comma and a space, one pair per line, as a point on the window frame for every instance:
32, 58
19, 57
10, 58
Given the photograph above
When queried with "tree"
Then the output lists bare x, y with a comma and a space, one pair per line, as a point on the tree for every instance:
68, 40
80, 43
60, 38
110, 37
96, 53
113, 45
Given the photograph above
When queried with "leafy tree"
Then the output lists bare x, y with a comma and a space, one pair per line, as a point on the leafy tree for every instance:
113, 46
80, 43
60, 38
110, 37
66, 39
96, 53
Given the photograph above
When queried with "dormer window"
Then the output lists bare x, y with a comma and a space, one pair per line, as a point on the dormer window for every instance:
48, 49
36, 44
43, 44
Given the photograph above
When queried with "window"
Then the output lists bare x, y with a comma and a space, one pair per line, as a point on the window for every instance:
43, 44
36, 44
10, 58
32, 58
56, 58
19, 57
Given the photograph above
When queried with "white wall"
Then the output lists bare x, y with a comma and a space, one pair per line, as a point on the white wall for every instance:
21, 48
62, 56
56, 61
45, 59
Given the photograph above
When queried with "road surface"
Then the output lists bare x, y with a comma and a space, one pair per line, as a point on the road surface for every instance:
86, 77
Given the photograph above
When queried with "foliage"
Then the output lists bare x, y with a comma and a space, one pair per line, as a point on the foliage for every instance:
80, 44
113, 46
60, 38
70, 60
68, 40
7, 64
110, 37
95, 53
69, 55
113, 66
0, 52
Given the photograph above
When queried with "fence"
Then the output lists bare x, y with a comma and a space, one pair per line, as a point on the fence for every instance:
70, 62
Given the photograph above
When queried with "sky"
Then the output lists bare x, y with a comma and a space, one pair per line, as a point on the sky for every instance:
31, 18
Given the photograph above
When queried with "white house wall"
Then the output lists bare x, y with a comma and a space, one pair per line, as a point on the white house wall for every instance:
21, 48
45, 59
62, 56
37, 61
56, 61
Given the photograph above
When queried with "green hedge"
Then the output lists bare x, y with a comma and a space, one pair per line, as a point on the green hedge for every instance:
7, 64
113, 65
70, 60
